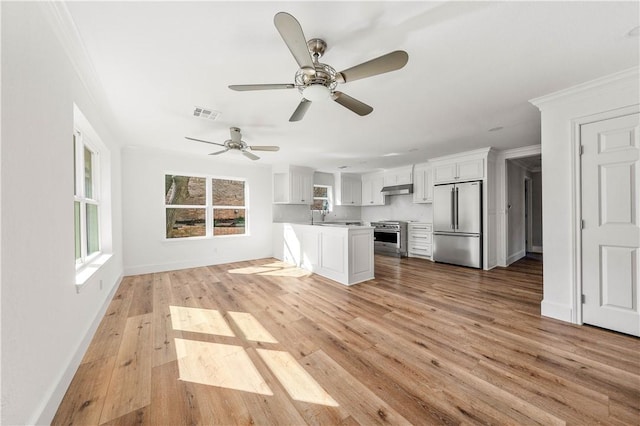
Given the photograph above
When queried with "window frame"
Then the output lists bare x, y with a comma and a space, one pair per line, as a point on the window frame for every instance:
328, 198
81, 142
208, 207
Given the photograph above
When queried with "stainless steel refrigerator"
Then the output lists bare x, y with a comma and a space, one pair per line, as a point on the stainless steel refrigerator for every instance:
457, 223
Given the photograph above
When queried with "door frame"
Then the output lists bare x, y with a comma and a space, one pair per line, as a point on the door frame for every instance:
528, 215
502, 241
576, 195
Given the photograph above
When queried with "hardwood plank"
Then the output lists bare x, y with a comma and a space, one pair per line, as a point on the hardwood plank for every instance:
86, 391
130, 386
172, 401
142, 299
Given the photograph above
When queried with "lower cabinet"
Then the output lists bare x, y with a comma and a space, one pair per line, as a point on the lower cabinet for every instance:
420, 239
341, 253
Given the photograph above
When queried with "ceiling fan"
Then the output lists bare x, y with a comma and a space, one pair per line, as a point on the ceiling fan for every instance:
237, 143
317, 81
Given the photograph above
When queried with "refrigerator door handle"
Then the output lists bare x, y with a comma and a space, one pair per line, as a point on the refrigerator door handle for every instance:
457, 224
453, 209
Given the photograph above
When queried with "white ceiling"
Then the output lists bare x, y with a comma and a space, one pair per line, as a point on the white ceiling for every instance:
472, 67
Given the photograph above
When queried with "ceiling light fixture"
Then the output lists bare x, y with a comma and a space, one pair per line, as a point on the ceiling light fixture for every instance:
316, 92
495, 129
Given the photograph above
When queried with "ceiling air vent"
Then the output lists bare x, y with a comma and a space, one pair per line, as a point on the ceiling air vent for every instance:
205, 113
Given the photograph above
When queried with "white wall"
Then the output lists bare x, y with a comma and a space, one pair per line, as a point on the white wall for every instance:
399, 207
515, 210
46, 324
559, 113
145, 248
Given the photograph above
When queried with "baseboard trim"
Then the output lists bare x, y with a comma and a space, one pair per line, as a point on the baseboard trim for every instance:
175, 266
536, 249
516, 256
48, 411
556, 310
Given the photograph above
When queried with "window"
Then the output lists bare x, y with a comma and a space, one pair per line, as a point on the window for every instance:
199, 206
86, 198
228, 207
321, 197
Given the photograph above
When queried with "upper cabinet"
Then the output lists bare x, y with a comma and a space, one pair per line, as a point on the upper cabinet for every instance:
399, 176
348, 189
292, 185
422, 183
372, 184
454, 170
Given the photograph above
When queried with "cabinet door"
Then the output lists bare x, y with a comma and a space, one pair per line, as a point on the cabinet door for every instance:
472, 169
377, 197
367, 192
356, 191
445, 173
307, 189
422, 185
403, 177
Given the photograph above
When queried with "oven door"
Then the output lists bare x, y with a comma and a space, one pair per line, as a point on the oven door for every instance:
386, 241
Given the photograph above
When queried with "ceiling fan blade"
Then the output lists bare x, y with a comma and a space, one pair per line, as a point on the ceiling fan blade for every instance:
264, 148
301, 110
200, 140
235, 134
385, 63
245, 87
353, 104
219, 152
291, 32
250, 155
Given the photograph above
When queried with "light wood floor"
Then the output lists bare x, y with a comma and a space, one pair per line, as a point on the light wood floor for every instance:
424, 343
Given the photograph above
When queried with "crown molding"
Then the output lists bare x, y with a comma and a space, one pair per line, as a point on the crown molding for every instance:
628, 76
65, 29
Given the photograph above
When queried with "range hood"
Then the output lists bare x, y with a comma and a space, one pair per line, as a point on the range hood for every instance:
397, 189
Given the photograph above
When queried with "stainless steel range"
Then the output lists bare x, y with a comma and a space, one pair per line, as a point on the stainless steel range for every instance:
390, 237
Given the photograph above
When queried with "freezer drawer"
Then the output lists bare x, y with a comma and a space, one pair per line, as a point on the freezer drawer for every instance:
458, 249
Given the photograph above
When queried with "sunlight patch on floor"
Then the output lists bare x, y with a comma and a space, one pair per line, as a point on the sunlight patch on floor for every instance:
295, 379
198, 320
251, 327
277, 269
215, 364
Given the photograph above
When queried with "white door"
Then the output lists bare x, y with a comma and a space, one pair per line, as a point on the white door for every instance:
611, 234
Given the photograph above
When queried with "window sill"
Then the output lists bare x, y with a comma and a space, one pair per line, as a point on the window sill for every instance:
85, 272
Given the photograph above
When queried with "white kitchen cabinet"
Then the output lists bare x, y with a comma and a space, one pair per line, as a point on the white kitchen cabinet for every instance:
422, 183
471, 169
372, 184
343, 253
399, 176
420, 239
348, 189
293, 185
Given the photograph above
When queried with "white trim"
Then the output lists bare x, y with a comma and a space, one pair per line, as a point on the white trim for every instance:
536, 249
501, 196
576, 207
585, 88
516, 256
462, 155
556, 310
50, 403
528, 222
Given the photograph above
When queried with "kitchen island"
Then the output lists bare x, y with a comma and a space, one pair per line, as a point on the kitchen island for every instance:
343, 253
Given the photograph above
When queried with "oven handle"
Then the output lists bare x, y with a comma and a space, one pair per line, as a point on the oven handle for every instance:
387, 231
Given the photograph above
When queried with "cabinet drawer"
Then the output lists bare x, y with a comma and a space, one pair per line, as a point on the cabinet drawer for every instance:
424, 238
414, 250
425, 227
